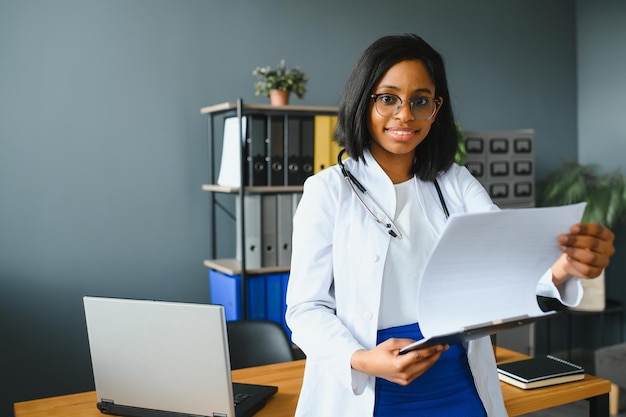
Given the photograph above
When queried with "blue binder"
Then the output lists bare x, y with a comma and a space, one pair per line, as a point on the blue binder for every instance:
226, 290
266, 295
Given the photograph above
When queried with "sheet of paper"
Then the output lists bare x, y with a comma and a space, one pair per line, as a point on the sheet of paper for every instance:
230, 167
486, 266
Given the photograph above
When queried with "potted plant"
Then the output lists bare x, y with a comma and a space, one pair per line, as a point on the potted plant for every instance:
605, 195
280, 82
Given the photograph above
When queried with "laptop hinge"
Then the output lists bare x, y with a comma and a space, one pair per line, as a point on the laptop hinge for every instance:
104, 405
220, 415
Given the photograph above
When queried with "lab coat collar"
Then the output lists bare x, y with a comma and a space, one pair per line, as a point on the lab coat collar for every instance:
375, 180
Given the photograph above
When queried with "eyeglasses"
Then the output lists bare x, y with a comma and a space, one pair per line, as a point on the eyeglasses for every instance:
422, 108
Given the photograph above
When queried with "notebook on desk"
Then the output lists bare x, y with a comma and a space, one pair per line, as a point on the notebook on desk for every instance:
165, 359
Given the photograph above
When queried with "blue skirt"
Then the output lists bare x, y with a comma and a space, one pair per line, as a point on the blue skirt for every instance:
446, 389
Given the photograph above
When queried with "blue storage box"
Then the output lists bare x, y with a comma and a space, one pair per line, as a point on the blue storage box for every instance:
265, 296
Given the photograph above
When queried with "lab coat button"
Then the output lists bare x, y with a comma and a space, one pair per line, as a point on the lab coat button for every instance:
367, 315
374, 258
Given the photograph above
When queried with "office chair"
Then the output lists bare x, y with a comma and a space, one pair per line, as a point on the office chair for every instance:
257, 342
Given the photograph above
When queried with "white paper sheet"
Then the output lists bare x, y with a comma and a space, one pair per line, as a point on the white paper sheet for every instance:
230, 167
486, 267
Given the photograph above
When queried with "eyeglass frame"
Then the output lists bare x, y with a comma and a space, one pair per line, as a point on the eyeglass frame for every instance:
411, 102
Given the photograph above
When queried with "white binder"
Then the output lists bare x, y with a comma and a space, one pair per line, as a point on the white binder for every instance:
230, 167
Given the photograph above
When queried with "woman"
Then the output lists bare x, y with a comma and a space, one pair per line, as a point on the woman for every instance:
357, 262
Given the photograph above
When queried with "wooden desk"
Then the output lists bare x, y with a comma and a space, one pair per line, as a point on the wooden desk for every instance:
288, 377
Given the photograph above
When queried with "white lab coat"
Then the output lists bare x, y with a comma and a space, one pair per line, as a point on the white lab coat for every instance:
335, 282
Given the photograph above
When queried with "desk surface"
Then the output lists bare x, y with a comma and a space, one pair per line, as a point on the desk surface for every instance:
288, 377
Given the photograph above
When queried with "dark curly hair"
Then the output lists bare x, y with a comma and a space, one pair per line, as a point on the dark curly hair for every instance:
436, 152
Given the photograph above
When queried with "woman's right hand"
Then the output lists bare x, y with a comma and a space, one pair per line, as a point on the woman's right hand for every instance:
385, 361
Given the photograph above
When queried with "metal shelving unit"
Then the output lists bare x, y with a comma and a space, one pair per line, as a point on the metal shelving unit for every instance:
218, 113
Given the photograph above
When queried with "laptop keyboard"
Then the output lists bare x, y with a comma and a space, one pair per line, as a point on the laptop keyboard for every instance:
240, 397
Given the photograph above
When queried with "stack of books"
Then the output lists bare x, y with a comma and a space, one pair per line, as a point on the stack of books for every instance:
539, 372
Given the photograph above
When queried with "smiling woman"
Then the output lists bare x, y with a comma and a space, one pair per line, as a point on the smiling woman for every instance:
351, 307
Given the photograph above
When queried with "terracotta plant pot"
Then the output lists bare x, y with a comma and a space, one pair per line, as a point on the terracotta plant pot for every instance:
279, 97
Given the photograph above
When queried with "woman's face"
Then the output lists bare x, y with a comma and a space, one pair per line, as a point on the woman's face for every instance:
397, 136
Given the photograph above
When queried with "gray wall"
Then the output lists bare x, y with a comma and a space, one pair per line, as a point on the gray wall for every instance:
103, 149
601, 86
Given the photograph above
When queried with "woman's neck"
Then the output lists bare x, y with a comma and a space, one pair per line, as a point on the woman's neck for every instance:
397, 167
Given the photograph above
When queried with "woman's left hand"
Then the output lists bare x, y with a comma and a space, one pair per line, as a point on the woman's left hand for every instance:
587, 250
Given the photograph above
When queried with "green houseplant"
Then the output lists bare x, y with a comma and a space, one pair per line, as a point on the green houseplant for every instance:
281, 78
605, 195
574, 182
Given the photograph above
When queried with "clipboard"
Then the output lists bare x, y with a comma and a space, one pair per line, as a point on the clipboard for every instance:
479, 261
476, 332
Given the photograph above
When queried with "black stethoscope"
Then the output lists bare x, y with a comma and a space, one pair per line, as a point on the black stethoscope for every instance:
385, 221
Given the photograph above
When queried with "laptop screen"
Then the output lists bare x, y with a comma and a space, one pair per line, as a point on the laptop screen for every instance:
158, 355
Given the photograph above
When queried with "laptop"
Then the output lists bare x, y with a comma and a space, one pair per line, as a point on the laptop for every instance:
165, 359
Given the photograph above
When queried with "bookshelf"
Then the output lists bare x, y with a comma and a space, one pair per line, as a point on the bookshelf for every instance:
280, 147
